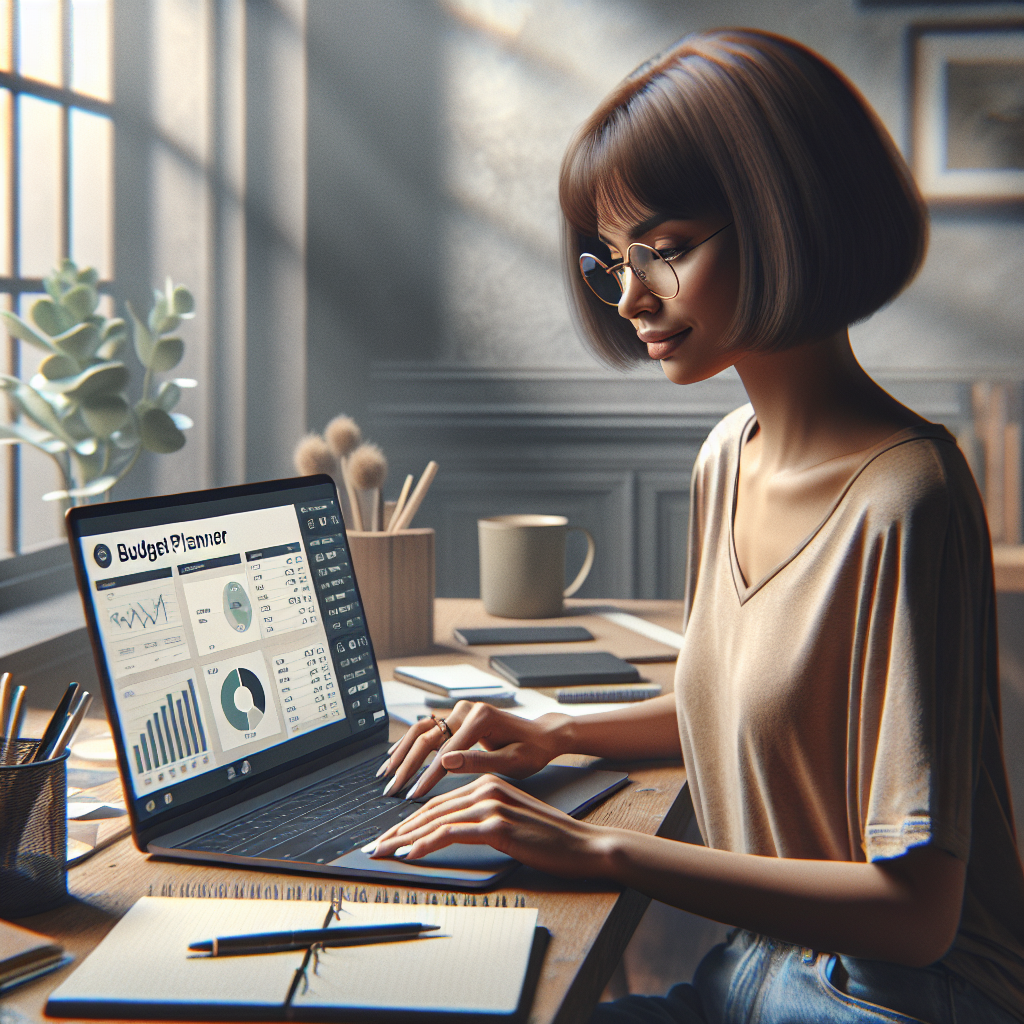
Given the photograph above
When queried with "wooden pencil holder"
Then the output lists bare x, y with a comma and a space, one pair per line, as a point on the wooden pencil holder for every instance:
395, 573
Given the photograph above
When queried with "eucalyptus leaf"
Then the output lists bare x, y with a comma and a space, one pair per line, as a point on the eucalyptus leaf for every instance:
182, 302
51, 317
80, 301
33, 405
181, 421
75, 426
100, 485
115, 328
105, 379
168, 395
158, 313
59, 365
89, 466
89, 276
108, 350
141, 336
159, 434
17, 328
105, 415
128, 436
80, 342
16, 433
167, 354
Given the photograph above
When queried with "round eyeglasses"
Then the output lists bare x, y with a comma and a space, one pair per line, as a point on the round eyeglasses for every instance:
654, 270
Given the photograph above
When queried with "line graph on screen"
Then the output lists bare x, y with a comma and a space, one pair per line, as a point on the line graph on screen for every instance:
141, 627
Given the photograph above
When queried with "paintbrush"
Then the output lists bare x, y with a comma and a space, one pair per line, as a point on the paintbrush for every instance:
343, 437
368, 469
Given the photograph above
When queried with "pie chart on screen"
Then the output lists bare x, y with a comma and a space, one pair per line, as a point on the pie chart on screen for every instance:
242, 699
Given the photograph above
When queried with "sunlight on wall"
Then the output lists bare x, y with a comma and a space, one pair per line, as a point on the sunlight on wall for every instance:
517, 86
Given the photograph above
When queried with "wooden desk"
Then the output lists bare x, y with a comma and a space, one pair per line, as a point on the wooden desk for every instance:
590, 924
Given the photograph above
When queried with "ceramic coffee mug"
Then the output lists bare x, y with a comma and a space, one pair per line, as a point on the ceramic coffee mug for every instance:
522, 565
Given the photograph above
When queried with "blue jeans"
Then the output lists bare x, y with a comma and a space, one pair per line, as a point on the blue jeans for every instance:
753, 978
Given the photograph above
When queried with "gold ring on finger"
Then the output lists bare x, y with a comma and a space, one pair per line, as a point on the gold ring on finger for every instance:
446, 730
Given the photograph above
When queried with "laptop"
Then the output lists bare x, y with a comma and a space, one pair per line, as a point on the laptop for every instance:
242, 688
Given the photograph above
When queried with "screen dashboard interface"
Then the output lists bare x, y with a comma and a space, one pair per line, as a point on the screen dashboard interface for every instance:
234, 642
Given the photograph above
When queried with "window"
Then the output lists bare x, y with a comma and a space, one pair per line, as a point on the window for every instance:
56, 200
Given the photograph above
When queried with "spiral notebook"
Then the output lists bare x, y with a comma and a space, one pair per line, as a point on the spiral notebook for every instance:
482, 966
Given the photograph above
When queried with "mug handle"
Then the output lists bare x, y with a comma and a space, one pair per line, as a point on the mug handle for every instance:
587, 564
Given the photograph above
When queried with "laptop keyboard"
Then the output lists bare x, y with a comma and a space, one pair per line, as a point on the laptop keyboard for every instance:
315, 825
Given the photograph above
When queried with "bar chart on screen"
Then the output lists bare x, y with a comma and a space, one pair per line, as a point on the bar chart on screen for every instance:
165, 731
142, 626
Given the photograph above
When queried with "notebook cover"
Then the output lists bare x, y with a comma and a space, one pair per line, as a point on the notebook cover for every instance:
523, 635
25, 954
564, 669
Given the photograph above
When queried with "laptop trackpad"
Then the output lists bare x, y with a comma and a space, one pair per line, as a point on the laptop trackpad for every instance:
458, 857
573, 790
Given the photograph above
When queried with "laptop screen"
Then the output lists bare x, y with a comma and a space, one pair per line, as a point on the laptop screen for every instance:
232, 635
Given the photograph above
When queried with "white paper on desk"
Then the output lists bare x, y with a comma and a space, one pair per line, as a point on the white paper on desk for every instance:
476, 965
145, 959
405, 703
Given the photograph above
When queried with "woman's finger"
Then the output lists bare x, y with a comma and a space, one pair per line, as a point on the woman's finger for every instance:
484, 789
438, 805
475, 810
467, 727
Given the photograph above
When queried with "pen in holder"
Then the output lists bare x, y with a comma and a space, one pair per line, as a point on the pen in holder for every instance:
33, 833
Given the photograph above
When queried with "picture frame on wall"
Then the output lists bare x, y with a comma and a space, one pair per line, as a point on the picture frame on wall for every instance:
967, 112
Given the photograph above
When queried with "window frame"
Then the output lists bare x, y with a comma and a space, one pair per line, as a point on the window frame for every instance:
45, 571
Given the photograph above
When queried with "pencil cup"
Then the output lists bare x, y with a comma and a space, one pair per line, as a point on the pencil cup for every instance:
33, 834
395, 573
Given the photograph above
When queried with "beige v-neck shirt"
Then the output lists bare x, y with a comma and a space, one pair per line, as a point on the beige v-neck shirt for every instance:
846, 706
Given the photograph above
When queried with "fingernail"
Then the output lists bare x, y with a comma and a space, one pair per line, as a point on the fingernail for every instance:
403, 851
453, 761
394, 746
413, 793
387, 788
383, 768
370, 847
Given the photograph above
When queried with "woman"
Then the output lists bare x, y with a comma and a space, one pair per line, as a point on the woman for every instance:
736, 203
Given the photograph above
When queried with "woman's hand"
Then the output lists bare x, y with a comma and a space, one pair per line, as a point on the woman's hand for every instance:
512, 746
492, 812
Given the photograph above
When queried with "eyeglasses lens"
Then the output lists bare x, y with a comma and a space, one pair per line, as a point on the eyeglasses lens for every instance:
656, 275
604, 285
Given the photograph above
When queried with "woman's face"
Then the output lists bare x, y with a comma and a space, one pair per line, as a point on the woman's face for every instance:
685, 332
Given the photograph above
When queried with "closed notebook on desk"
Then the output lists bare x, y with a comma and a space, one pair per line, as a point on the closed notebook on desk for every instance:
564, 668
483, 966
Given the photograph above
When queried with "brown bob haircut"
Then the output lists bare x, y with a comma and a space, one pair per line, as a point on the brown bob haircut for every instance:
758, 128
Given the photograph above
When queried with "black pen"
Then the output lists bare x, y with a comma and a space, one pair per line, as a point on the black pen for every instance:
278, 942
56, 723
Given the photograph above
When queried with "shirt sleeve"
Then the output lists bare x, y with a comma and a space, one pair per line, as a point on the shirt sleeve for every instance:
928, 665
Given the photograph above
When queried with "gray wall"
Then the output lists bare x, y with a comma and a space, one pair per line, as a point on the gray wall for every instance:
436, 311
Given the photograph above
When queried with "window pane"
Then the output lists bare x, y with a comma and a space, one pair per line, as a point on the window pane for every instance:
40, 201
5, 35
90, 48
8, 452
92, 187
5, 182
39, 40
40, 522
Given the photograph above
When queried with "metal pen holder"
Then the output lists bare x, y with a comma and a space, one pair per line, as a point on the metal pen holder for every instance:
33, 833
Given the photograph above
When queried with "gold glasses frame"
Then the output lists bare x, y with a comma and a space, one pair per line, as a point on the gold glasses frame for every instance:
618, 270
